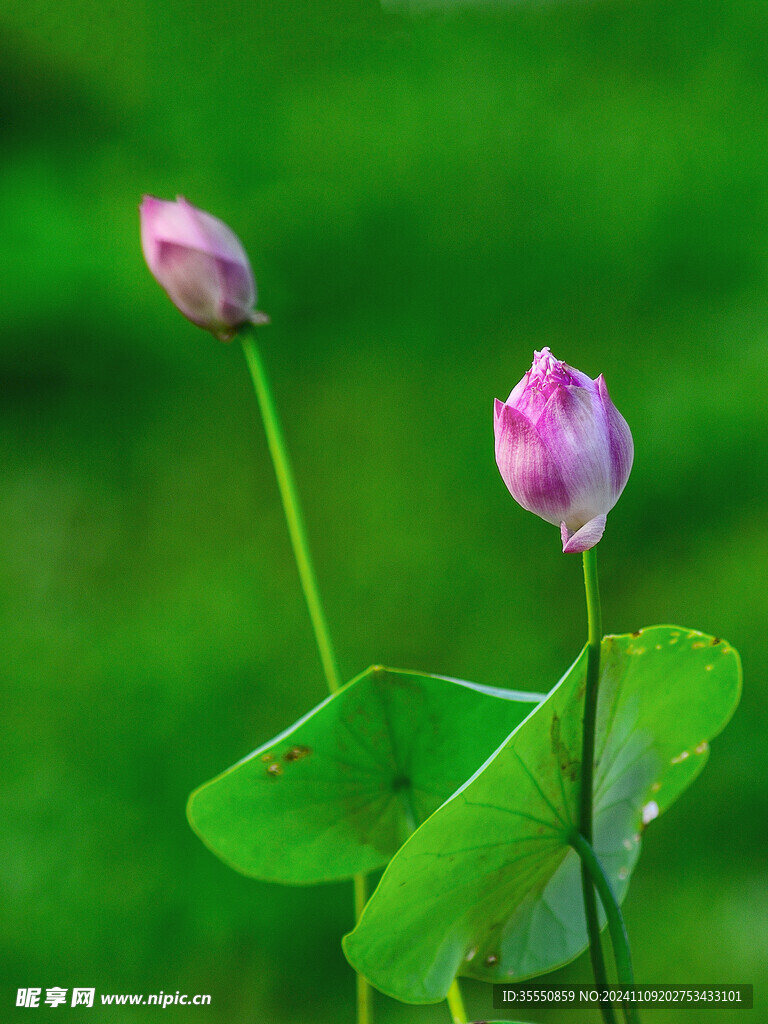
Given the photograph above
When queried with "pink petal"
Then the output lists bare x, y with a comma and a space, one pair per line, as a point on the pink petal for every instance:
214, 236
573, 426
191, 280
165, 221
585, 538
526, 465
238, 291
622, 449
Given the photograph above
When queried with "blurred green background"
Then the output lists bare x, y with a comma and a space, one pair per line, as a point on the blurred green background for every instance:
425, 202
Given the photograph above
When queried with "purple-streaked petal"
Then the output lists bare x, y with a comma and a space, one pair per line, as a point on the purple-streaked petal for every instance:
621, 445
519, 389
585, 538
573, 426
164, 221
215, 237
238, 291
526, 465
579, 379
191, 280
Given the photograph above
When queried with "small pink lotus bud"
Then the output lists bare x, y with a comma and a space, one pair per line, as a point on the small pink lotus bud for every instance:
563, 449
201, 264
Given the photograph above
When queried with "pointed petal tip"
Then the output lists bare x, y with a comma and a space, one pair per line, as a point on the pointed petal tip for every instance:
584, 538
149, 204
564, 535
602, 388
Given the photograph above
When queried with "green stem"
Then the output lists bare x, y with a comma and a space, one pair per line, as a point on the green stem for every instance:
293, 515
616, 927
595, 632
456, 1004
298, 535
595, 945
592, 874
595, 635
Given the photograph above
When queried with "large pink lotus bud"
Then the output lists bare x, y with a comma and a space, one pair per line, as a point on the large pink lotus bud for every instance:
201, 264
563, 449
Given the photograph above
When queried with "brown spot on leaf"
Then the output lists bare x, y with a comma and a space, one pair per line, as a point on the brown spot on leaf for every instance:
268, 757
554, 732
274, 770
297, 753
491, 960
716, 640
568, 766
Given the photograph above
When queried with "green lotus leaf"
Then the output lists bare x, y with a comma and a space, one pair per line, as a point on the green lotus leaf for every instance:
338, 792
489, 886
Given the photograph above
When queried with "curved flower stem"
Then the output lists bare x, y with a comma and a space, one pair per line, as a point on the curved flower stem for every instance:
293, 516
298, 535
595, 945
616, 927
456, 1004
